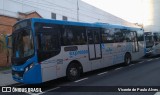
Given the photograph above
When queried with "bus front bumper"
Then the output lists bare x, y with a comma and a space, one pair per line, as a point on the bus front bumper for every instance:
32, 76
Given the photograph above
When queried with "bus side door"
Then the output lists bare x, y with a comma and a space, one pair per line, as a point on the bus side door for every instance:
135, 46
94, 47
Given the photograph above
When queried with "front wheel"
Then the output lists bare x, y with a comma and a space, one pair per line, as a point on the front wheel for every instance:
127, 59
73, 72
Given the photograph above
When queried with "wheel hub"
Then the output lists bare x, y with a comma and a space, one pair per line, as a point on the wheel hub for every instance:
73, 71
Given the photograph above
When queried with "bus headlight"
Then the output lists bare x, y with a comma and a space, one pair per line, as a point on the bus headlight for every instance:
26, 69
29, 67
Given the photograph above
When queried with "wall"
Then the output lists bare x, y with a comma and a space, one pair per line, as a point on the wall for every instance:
151, 17
6, 24
74, 10
87, 13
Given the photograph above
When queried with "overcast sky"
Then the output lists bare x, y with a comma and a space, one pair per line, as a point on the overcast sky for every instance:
130, 10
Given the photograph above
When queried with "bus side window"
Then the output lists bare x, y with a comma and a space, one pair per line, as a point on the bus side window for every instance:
73, 35
134, 36
107, 36
128, 36
140, 35
79, 35
67, 36
118, 35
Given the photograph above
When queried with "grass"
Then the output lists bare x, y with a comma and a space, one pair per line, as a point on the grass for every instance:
5, 68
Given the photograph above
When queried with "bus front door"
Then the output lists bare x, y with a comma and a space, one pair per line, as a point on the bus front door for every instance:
94, 48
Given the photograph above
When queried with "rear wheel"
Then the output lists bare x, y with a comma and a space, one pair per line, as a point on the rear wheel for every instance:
127, 59
73, 72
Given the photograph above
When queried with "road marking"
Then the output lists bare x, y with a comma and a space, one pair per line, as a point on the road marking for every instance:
45, 91
157, 93
150, 60
131, 64
81, 80
118, 68
141, 62
18, 85
30, 93
102, 73
156, 58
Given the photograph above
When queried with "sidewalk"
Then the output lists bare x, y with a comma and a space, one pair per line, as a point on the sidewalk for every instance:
6, 78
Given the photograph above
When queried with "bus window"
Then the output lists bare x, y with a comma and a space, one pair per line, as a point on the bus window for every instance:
90, 37
48, 42
107, 36
126, 35
118, 36
67, 36
156, 37
96, 37
74, 35
140, 35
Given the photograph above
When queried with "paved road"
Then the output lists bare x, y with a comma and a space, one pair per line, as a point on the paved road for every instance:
142, 73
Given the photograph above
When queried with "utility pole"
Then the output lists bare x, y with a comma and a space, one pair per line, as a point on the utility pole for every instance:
77, 10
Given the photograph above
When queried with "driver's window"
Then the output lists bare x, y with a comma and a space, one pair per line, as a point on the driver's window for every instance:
48, 40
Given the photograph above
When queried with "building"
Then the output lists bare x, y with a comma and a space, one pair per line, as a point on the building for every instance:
12, 11
151, 17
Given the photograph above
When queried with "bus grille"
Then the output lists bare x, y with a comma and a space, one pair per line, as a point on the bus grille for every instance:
17, 74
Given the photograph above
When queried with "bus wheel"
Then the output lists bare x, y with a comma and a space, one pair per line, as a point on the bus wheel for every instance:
127, 59
73, 72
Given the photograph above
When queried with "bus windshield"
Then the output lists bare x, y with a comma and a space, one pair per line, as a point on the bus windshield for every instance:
149, 41
22, 43
156, 37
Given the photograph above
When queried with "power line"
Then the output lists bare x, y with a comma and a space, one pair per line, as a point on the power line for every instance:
74, 11
42, 8
48, 5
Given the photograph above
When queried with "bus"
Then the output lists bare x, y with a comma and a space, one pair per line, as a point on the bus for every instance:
44, 50
152, 43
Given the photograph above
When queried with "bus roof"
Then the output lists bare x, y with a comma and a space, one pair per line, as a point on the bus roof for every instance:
97, 24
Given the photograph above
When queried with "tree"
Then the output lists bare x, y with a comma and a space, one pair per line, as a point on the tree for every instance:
4, 51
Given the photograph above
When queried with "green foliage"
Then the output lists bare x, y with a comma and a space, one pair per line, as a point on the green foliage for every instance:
2, 43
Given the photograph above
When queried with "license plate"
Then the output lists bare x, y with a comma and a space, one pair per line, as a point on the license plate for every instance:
16, 75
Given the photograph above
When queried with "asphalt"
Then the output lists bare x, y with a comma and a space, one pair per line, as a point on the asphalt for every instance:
143, 73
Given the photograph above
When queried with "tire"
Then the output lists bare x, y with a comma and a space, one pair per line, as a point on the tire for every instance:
127, 59
73, 72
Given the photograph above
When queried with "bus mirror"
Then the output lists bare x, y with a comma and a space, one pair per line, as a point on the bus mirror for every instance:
9, 41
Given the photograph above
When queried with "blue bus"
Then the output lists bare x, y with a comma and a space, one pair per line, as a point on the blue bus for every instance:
44, 49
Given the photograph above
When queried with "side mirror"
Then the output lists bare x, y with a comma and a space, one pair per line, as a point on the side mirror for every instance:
9, 41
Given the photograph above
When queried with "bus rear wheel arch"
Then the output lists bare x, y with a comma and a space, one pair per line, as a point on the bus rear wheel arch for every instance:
127, 58
74, 70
